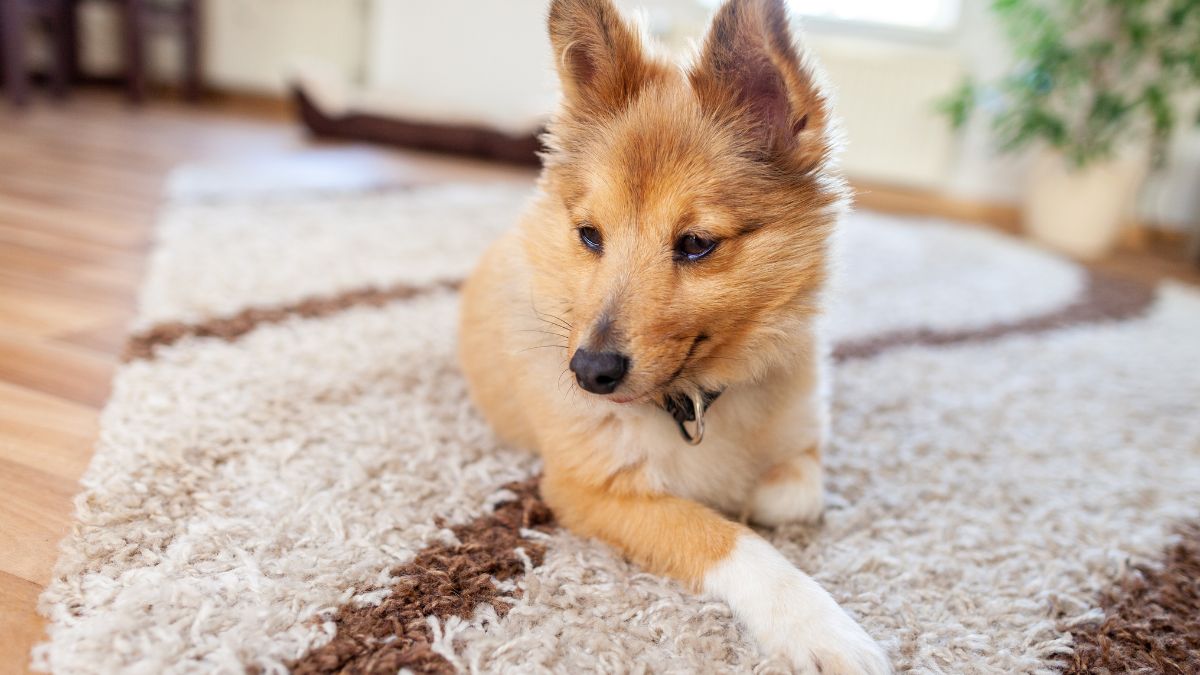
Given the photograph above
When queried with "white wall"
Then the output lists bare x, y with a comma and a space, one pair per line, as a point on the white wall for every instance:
489, 64
250, 45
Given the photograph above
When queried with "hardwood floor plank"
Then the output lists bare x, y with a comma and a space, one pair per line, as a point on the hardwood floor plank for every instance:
70, 372
20, 624
128, 232
46, 432
115, 275
44, 313
103, 338
68, 245
36, 514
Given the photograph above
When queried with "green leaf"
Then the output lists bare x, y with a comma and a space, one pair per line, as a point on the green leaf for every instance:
959, 105
1161, 112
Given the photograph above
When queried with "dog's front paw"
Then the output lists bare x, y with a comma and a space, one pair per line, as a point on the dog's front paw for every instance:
824, 640
790, 615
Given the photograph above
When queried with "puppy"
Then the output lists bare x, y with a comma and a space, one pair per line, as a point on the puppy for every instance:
649, 325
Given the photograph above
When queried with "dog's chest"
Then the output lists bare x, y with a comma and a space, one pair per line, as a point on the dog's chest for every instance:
721, 471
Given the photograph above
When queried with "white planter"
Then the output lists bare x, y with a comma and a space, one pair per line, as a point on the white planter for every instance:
1080, 212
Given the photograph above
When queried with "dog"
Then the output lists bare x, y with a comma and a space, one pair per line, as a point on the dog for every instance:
650, 325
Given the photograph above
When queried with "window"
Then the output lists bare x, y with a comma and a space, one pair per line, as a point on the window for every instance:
931, 15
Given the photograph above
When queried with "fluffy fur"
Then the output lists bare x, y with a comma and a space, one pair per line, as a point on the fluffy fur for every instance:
733, 150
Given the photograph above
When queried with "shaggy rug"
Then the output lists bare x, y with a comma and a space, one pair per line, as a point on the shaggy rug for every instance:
289, 475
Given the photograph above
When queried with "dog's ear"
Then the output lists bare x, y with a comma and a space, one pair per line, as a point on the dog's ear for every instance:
749, 71
601, 59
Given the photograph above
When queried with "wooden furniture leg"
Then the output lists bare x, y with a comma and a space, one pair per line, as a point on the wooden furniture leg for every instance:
192, 55
135, 75
14, 23
64, 46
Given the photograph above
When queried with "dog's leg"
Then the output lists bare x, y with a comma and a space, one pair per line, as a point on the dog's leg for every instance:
784, 609
790, 491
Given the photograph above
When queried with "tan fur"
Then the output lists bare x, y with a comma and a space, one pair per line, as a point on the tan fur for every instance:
784, 472
663, 533
736, 149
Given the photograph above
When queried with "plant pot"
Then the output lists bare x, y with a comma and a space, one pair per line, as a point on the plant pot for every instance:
1080, 211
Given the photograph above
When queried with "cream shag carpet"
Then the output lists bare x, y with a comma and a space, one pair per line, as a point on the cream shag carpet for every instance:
289, 474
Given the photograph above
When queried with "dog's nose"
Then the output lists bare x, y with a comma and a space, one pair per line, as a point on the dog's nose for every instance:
599, 372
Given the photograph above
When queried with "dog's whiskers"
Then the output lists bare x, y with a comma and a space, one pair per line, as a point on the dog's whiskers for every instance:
560, 377
546, 332
563, 347
722, 358
554, 320
557, 323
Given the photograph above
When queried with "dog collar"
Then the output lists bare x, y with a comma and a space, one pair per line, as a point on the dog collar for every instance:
690, 409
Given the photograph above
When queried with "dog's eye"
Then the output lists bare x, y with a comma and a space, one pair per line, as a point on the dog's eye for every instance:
591, 237
693, 247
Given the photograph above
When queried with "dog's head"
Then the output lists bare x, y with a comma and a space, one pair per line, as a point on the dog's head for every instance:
687, 210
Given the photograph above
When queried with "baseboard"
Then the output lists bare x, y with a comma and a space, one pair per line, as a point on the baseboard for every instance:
1149, 238
913, 202
273, 106
265, 105
1138, 237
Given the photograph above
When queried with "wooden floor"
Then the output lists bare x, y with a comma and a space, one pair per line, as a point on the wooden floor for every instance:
79, 186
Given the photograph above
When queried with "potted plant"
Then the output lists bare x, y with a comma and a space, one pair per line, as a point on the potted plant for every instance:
1100, 86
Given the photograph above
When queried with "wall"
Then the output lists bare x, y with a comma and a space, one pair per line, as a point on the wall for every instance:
250, 45
488, 65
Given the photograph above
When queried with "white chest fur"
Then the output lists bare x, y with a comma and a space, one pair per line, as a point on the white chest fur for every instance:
748, 430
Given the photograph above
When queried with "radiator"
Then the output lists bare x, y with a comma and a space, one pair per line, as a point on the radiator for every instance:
885, 94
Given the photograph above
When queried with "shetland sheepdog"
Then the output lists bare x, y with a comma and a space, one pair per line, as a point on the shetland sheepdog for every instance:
649, 326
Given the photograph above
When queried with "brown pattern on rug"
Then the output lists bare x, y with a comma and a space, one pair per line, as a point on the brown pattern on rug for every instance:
1151, 619
443, 580
1105, 298
142, 345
